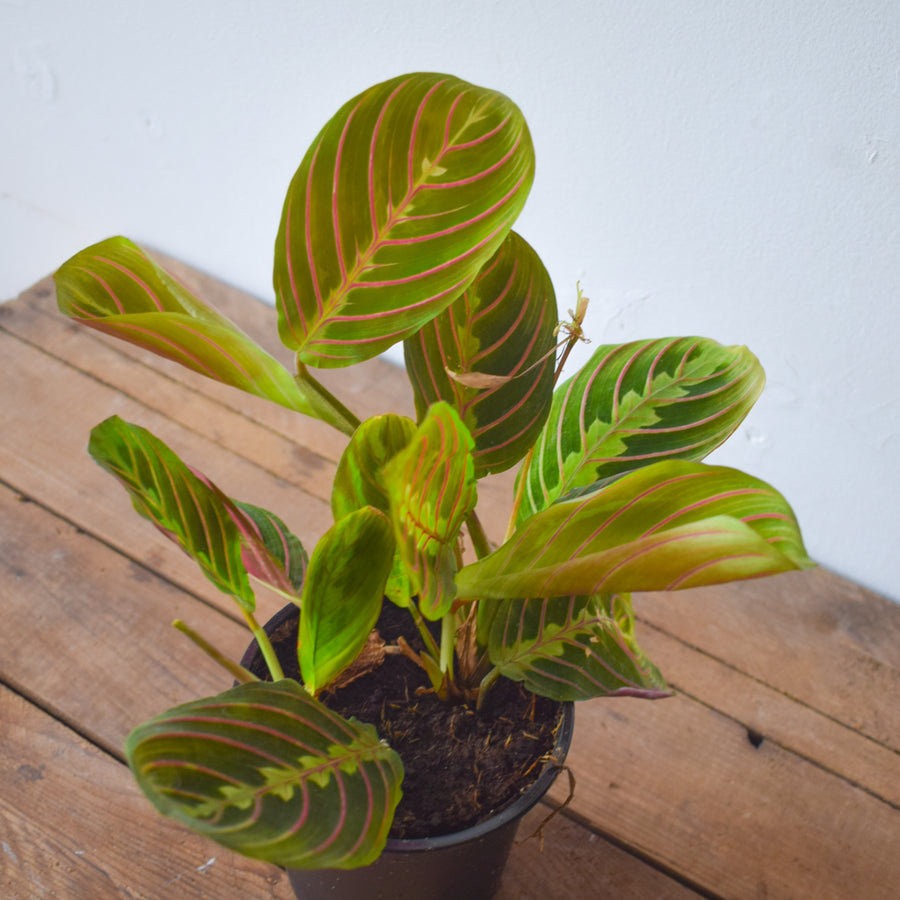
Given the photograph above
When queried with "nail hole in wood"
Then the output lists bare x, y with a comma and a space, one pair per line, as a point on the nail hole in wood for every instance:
754, 737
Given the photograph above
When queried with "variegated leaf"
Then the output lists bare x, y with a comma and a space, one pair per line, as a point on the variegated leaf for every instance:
665, 526
224, 538
343, 593
502, 325
114, 287
406, 192
431, 485
572, 648
271, 552
639, 403
266, 770
358, 483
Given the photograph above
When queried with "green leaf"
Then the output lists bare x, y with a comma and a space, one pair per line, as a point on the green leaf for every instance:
665, 526
406, 192
431, 484
114, 287
639, 403
572, 648
224, 537
502, 326
343, 594
282, 564
357, 482
269, 772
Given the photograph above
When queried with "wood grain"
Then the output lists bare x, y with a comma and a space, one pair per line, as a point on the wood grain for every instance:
671, 795
91, 636
681, 782
74, 825
814, 636
96, 601
575, 862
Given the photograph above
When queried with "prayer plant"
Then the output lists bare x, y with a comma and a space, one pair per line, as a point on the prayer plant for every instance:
397, 227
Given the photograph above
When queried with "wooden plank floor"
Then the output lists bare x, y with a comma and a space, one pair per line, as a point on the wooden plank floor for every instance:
774, 772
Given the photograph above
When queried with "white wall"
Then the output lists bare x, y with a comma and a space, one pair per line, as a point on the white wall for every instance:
722, 168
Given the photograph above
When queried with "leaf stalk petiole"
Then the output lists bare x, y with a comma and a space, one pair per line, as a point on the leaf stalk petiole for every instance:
235, 669
265, 646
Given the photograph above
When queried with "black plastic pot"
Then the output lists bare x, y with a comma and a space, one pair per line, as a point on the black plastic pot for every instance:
466, 865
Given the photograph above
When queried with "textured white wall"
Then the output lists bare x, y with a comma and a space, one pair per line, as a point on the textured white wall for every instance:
721, 168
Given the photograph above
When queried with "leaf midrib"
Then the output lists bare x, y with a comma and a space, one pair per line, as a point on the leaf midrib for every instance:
337, 297
616, 424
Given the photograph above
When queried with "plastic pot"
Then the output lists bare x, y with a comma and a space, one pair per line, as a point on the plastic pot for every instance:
465, 865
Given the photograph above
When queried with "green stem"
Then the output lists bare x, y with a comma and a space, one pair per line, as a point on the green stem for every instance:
235, 669
448, 643
479, 538
430, 645
326, 406
265, 646
485, 685
520, 492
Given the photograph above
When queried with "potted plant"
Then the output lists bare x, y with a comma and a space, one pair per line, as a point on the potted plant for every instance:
397, 227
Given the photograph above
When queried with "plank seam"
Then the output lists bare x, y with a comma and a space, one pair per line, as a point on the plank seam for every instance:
756, 739
66, 721
647, 859
757, 680
80, 529
233, 410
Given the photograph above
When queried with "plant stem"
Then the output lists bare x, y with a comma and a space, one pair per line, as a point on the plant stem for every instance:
485, 685
238, 671
562, 360
575, 334
520, 492
265, 646
480, 540
327, 407
430, 644
448, 643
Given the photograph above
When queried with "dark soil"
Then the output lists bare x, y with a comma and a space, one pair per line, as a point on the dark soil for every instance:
460, 766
